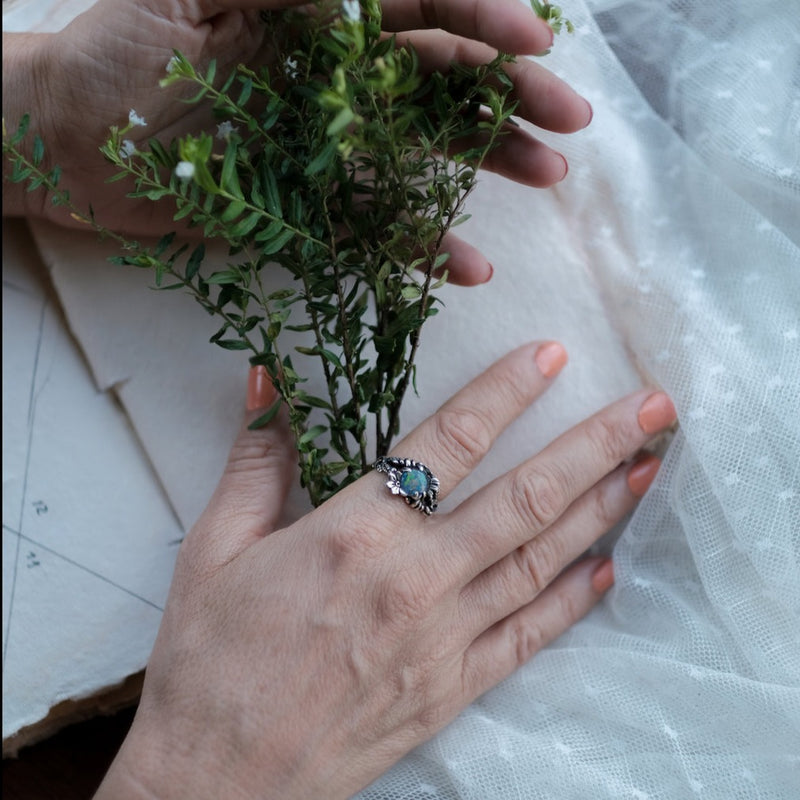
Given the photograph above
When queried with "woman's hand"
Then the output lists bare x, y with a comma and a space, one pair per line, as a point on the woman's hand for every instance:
110, 59
304, 662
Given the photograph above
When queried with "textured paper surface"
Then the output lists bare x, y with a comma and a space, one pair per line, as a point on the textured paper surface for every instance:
89, 538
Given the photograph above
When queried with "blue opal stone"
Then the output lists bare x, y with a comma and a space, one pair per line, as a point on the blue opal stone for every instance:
414, 482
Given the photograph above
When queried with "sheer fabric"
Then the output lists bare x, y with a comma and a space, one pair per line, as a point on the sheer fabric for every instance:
684, 196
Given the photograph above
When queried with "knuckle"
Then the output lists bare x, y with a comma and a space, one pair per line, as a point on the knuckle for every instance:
354, 541
526, 639
603, 510
250, 455
401, 602
430, 718
538, 496
570, 611
609, 439
465, 434
539, 562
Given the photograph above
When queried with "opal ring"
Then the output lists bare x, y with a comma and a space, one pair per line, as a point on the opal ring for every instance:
412, 481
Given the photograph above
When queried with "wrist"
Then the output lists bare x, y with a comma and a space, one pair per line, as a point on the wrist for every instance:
27, 89
169, 762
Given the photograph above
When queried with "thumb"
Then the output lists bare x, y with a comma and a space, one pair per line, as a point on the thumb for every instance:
248, 500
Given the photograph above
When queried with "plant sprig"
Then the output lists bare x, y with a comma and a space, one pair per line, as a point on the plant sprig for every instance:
347, 167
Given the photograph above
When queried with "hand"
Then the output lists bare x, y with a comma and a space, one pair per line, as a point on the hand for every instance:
304, 663
111, 58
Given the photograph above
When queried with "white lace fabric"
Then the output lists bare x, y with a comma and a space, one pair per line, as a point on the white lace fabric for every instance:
685, 197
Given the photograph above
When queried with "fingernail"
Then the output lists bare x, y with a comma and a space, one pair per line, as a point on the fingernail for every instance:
656, 413
591, 113
551, 358
566, 168
642, 473
491, 272
603, 577
260, 391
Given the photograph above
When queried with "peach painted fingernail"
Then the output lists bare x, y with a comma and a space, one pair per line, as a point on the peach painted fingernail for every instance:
656, 413
603, 577
642, 473
551, 358
260, 391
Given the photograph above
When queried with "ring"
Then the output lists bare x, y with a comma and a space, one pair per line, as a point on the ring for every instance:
413, 481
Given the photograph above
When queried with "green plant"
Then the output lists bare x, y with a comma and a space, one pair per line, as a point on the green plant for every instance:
345, 166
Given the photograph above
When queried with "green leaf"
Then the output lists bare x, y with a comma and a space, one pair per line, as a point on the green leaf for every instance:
278, 243
312, 434
322, 161
151, 194
234, 209
246, 225
232, 344
268, 233
194, 261
411, 291
163, 243
229, 179
340, 121
247, 89
266, 418
224, 277
22, 129
38, 150
270, 185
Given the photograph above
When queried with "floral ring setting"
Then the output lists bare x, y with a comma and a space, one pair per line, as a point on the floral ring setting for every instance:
412, 481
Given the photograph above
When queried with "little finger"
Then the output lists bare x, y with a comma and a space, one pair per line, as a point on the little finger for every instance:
513, 641
517, 579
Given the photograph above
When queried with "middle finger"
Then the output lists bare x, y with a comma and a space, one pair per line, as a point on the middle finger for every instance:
520, 505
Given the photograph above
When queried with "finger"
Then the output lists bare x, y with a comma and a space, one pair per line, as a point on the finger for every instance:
504, 24
517, 579
526, 501
512, 642
467, 266
521, 158
247, 502
544, 99
454, 440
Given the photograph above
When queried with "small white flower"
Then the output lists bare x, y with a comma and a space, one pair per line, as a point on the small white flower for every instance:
351, 9
291, 67
135, 120
172, 65
225, 129
184, 170
128, 149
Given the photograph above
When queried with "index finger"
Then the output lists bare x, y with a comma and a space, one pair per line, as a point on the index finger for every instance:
504, 24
